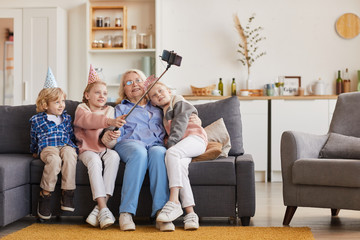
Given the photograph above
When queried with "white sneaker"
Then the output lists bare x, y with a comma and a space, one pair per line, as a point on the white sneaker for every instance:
191, 221
92, 219
106, 218
170, 212
126, 222
165, 226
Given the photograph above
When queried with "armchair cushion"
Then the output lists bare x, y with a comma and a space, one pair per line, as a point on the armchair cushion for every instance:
341, 146
327, 172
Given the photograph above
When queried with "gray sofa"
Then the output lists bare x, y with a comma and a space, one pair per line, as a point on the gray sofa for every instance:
224, 187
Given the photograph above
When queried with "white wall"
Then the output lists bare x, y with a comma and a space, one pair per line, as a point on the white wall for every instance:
301, 40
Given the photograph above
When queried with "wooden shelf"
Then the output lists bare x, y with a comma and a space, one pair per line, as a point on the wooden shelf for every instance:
306, 97
98, 33
117, 50
106, 28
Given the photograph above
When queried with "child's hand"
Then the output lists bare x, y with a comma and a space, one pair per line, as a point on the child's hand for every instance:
117, 122
114, 134
35, 155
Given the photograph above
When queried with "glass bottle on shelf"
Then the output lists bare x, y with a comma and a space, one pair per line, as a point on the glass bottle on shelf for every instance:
221, 87
233, 87
142, 41
339, 84
150, 35
99, 21
107, 22
100, 73
346, 82
133, 36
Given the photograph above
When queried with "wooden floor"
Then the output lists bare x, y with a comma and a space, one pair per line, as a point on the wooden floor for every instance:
269, 213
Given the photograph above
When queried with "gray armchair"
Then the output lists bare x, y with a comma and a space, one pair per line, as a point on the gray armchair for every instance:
332, 180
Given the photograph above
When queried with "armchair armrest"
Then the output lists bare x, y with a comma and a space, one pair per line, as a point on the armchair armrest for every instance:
245, 182
297, 145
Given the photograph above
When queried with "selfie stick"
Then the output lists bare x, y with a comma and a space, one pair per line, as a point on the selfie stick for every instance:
171, 58
167, 68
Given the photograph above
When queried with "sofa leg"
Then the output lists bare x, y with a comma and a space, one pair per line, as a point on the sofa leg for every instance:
335, 212
245, 221
290, 211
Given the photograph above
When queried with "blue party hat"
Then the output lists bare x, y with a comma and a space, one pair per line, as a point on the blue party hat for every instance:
50, 81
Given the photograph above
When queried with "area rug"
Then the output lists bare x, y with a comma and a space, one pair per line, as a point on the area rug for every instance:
84, 232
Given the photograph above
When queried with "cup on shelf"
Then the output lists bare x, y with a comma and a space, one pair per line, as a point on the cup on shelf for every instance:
244, 93
216, 92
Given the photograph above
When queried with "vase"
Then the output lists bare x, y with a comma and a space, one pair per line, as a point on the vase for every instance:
249, 82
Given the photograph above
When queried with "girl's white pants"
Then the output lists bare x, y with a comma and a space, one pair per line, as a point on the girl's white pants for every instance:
177, 160
101, 184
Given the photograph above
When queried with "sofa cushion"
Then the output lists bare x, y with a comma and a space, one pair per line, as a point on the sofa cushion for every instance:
15, 128
229, 110
220, 171
14, 170
327, 172
217, 132
213, 151
341, 146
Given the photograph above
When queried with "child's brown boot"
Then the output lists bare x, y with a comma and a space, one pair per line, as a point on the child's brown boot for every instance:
67, 200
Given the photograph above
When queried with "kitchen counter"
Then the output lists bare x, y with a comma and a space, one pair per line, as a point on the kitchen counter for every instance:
306, 97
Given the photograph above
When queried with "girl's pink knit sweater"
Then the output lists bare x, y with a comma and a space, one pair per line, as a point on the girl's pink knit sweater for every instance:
88, 126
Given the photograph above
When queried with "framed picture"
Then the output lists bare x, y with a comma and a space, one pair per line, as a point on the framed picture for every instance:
291, 85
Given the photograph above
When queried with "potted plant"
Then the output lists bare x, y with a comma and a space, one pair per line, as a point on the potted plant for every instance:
248, 47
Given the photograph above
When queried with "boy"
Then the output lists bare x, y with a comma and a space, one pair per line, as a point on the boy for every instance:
52, 140
185, 141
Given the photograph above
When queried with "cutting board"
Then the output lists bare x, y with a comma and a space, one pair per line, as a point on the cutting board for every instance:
348, 25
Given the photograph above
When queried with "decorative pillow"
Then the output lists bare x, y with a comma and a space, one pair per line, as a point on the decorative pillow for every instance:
213, 150
229, 110
217, 132
341, 146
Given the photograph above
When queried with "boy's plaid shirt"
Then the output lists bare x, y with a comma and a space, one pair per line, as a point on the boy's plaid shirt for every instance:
46, 133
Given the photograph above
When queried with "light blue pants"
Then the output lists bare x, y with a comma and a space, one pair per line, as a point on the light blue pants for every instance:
138, 160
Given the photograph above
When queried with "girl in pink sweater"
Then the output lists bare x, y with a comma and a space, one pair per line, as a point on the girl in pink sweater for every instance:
91, 118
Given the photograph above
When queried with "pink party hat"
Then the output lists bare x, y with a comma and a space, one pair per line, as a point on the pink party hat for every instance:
50, 81
93, 76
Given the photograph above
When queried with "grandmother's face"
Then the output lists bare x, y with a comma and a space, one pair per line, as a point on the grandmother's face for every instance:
133, 86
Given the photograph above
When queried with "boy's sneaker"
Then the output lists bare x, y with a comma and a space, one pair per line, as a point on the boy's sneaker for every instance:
170, 212
92, 219
106, 218
126, 222
67, 200
44, 205
191, 221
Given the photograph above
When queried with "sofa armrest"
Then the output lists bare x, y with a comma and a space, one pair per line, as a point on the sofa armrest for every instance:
245, 184
297, 145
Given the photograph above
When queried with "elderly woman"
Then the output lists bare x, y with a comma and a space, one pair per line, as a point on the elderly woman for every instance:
141, 147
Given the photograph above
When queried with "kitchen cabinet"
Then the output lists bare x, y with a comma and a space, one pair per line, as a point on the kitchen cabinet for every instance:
264, 119
254, 117
44, 45
310, 116
115, 61
254, 132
